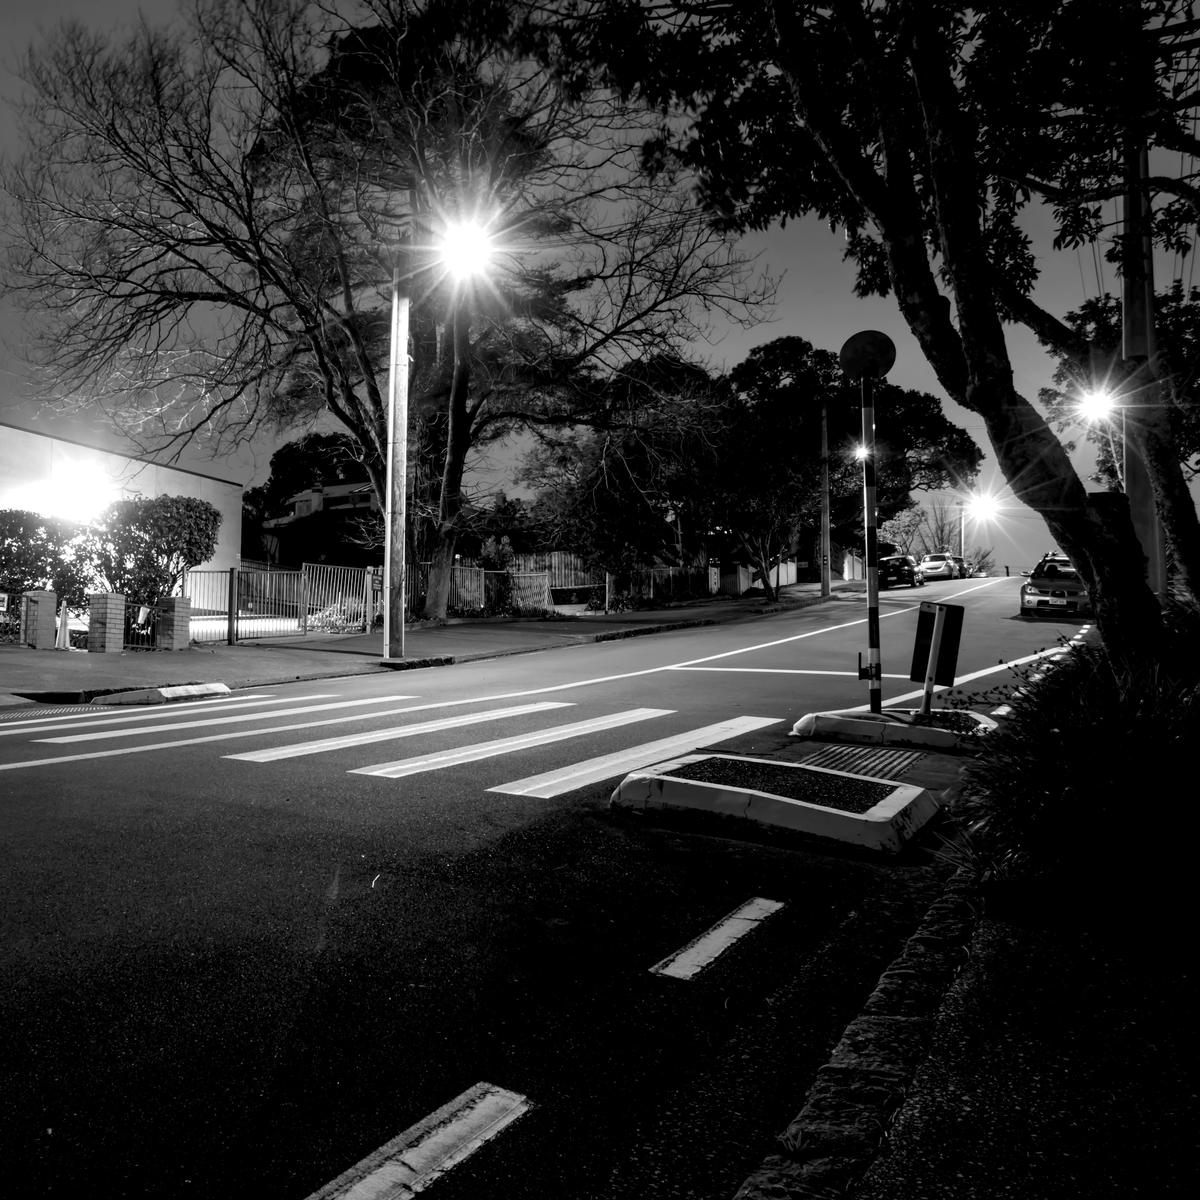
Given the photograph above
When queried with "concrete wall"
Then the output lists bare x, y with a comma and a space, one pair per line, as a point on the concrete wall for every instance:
58, 477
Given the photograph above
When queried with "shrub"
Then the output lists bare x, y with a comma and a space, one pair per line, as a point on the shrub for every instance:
142, 547
1085, 779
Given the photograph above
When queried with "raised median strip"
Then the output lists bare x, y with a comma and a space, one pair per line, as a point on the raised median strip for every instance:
412, 1160
863, 811
162, 695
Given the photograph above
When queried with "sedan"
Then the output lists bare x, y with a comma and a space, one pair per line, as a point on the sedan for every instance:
939, 566
1053, 587
900, 569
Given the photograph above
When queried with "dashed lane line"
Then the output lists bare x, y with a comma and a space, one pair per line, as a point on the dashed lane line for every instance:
466, 754
137, 730
410, 1162
385, 735
593, 770
704, 950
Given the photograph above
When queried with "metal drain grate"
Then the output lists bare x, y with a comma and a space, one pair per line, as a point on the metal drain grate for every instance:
864, 760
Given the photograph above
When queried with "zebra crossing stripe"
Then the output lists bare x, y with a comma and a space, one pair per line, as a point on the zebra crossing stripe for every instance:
259, 716
593, 770
168, 711
560, 733
385, 735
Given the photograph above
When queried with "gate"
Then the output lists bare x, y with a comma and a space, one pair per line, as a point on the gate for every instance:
10, 617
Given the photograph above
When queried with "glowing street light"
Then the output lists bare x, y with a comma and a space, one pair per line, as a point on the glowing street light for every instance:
1101, 407
1097, 405
980, 508
464, 250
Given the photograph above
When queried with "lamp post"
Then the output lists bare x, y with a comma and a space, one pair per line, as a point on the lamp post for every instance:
395, 515
868, 356
826, 581
463, 251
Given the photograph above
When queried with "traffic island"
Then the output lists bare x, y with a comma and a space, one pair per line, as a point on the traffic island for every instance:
941, 729
876, 814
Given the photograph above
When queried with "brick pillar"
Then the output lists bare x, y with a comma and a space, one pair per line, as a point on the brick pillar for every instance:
174, 623
39, 612
106, 623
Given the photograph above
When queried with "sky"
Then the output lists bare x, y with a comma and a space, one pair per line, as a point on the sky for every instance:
815, 301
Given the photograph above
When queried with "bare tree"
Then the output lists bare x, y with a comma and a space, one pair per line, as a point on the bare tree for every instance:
205, 224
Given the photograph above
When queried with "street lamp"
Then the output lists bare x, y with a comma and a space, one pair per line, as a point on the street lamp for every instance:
462, 251
980, 508
1099, 407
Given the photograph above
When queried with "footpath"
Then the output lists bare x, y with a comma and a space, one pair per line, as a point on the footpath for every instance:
1000, 1055
77, 677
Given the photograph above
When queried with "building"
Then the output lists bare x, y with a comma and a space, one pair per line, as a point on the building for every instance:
62, 477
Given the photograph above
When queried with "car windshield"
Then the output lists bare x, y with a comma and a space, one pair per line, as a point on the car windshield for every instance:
935, 558
1055, 569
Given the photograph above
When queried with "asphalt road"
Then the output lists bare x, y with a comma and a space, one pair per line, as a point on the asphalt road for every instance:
234, 963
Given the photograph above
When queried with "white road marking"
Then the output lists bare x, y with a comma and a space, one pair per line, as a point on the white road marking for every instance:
592, 770
409, 1163
166, 711
699, 953
229, 736
453, 758
1004, 666
779, 671
385, 735
260, 716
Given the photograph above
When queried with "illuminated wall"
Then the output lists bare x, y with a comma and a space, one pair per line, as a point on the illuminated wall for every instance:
62, 478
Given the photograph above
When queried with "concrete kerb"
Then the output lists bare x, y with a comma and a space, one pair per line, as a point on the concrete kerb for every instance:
161, 695
844, 1121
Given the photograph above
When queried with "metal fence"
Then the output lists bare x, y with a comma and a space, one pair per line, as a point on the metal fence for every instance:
336, 599
10, 617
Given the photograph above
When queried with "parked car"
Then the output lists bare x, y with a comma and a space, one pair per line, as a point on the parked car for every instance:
900, 568
939, 566
1054, 587
961, 564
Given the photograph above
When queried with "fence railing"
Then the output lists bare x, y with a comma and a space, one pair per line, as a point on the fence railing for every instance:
10, 617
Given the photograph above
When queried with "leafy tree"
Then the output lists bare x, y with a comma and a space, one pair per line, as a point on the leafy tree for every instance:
207, 223
925, 132
904, 531
43, 552
737, 461
142, 547
314, 460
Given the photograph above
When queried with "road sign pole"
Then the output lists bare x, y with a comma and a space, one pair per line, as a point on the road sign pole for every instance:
935, 649
874, 657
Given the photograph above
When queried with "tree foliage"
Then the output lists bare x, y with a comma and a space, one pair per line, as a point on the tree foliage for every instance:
734, 465
924, 132
39, 552
142, 547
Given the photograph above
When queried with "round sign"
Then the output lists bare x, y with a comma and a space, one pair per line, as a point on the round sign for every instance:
869, 354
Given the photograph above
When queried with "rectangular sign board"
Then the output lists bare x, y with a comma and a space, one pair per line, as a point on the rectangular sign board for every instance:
947, 659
